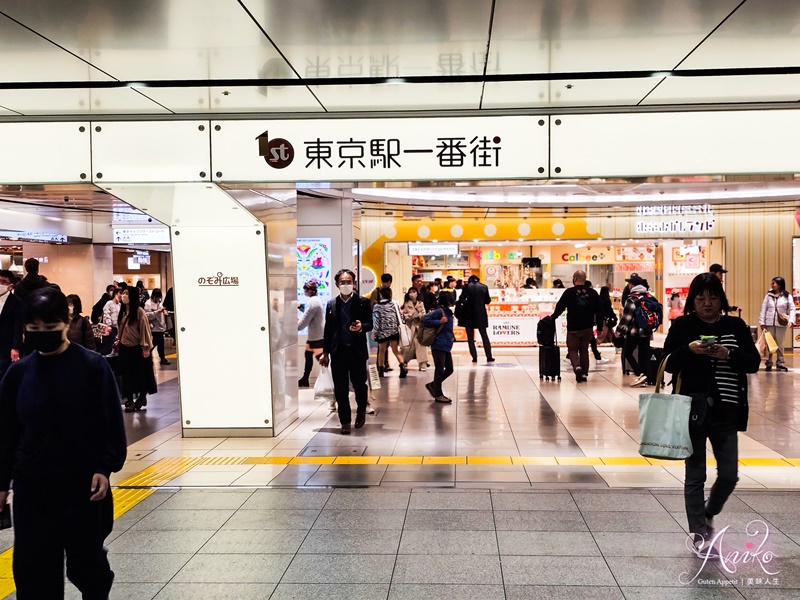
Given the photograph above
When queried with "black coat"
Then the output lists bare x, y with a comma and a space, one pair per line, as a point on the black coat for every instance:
476, 295
10, 330
697, 371
29, 284
361, 312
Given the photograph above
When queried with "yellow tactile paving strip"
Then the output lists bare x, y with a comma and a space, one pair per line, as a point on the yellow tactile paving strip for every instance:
167, 469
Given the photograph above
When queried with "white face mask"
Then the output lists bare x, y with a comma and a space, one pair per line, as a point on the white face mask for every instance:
4, 290
71, 311
412, 296
346, 289
126, 300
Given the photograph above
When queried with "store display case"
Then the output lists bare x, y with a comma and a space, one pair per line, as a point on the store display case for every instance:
515, 314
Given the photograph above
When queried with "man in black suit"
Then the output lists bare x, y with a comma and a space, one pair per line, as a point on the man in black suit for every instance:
348, 319
10, 323
474, 298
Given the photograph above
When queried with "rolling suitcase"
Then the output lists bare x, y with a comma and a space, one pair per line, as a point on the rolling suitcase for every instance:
549, 363
651, 368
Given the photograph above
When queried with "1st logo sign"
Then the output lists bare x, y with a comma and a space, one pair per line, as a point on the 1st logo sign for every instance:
278, 152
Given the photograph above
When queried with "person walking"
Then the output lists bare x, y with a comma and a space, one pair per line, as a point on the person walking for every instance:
582, 304
157, 319
31, 282
111, 320
599, 329
374, 298
413, 313
423, 293
441, 318
348, 319
60, 429
314, 319
144, 295
637, 336
11, 323
386, 330
718, 372
97, 309
472, 307
80, 330
777, 315
609, 316
135, 363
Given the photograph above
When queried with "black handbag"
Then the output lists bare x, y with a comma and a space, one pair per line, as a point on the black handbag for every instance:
698, 415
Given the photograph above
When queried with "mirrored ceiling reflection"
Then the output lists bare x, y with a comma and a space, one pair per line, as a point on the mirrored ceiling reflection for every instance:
191, 46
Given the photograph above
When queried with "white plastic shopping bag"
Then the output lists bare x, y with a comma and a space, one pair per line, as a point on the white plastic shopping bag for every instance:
664, 423
323, 387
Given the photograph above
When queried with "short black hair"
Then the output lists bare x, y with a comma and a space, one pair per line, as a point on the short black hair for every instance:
48, 305
110, 288
343, 272
473, 279
157, 293
415, 277
77, 305
447, 299
7, 275
32, 266
386, 278
705, 282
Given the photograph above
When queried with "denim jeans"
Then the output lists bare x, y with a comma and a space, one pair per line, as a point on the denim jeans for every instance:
721, 431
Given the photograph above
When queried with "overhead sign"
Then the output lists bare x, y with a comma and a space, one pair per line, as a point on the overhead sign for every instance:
141, 235
421, 249
381, 149
38, 236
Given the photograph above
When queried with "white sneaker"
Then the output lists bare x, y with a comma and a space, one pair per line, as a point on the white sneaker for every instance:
602, 359
370, 410
639, 381
423, 367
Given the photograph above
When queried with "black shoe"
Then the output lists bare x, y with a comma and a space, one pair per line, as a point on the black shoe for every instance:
381, 371
769, 367
403, 371
429, 387
360, 418
489, 359
387, 369
164, 361
345, 428
303, 383
140, 403
443, 399
782, 368
129, 406
474, 360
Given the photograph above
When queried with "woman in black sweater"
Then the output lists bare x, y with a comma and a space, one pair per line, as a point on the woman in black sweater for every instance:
61, 436
717, 370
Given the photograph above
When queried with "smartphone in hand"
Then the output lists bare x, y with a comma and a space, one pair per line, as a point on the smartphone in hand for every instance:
707, 340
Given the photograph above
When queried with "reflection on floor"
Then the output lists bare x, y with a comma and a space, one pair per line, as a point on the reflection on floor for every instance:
163, 408
506, 428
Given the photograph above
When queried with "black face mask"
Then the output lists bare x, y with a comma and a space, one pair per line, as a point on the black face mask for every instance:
44, 341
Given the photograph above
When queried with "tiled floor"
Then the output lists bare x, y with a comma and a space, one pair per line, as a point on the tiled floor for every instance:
503, 412
430, 544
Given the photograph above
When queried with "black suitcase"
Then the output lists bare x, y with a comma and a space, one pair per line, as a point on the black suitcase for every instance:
651, 369
549, 363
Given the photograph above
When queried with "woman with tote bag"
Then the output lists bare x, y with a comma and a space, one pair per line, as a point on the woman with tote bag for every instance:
777, 315
712, 353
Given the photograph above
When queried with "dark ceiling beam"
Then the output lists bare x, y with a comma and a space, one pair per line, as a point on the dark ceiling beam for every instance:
416, 79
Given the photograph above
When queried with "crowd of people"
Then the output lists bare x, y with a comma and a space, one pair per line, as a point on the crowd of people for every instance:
337, 334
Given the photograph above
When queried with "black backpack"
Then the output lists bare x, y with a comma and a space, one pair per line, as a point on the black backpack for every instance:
546, 331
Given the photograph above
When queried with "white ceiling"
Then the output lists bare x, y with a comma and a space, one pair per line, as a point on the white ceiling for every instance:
223, 47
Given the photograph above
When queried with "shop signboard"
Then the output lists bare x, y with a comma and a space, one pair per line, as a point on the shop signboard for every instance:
635, 253
405, 149
676, 219
424, 249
